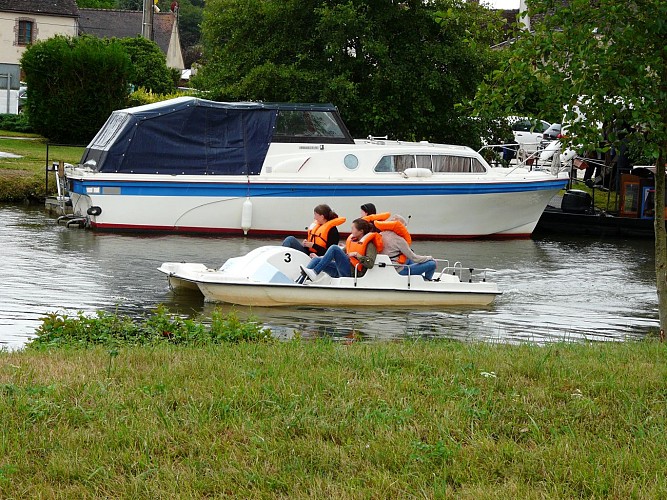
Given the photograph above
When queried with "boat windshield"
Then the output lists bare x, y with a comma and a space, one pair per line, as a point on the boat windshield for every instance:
310, 126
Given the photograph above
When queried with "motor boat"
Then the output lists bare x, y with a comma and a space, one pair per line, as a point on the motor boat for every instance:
269, 276
196, 166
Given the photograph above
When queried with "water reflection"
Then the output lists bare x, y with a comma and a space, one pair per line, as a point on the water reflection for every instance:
553, 288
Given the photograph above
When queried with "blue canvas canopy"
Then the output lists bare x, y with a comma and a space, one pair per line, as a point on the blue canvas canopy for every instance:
190, 136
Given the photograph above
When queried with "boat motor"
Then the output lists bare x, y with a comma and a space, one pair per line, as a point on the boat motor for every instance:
576, 201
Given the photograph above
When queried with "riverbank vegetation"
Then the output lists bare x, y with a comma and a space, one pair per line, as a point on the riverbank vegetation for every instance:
23, 178
259, 419
114, 330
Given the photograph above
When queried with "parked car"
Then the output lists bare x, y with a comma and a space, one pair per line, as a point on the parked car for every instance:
527, 135
512, 133
550, 147
552, 133
23, 96
528, 132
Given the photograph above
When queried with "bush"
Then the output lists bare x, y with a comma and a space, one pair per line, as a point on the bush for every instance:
75, 84
15, 123
142, 96
112, 330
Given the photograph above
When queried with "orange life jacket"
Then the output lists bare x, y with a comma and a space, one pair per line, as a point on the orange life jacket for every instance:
360, 247
375, 217
399, 228
318, 234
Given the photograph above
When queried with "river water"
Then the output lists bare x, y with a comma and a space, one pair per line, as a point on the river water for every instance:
554, 289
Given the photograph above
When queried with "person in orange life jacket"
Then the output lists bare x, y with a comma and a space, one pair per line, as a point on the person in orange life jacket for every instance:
360, 251
369, 213
399, 251
322, 233
368, 209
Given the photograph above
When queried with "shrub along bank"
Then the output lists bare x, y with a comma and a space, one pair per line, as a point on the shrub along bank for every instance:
258, 419
23, 176
15, 124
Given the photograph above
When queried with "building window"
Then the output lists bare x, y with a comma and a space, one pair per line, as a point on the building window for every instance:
25, 31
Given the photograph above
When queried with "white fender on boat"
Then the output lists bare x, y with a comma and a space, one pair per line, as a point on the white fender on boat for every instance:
567, 155
246, 215
417, 172
549, 150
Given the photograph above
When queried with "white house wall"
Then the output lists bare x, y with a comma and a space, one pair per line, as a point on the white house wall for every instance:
10, 106
45, 27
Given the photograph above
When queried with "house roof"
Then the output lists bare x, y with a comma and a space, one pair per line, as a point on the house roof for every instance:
104, 23
66, 8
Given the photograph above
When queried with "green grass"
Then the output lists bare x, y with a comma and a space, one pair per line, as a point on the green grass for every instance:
12, 133
326, 420
24, 178
603, 199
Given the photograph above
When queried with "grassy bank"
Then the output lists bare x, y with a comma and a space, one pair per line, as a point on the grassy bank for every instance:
23, 178
319, 419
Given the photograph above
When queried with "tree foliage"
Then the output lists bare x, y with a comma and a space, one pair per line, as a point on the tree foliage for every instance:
189, 23
190, 15
75, 83
396, 68
149, 65
608, 59
96, 4
130, 4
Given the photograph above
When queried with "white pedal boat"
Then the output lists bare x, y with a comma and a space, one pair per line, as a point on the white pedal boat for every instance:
267, 276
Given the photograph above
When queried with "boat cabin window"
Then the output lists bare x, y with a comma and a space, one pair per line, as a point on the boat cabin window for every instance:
309, 126
435, 163
457, 164
424, 161
395, 163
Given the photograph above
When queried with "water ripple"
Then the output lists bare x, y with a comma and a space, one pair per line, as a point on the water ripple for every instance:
553, 289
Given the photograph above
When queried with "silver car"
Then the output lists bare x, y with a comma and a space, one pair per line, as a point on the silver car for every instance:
528, 132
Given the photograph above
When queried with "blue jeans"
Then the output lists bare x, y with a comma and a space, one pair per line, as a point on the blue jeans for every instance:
292, 242
426, 268
334, 262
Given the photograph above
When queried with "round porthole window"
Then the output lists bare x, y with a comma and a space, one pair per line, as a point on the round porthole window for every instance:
351, 162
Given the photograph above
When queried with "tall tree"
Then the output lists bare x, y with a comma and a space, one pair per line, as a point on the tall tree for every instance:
190, 15
608, 58
149, 66
396, 68
189, 23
